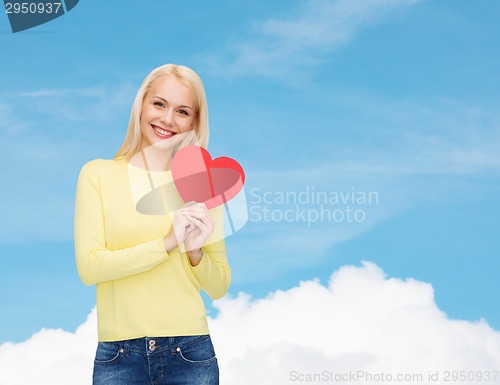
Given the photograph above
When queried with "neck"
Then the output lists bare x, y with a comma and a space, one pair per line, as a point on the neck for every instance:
153, 159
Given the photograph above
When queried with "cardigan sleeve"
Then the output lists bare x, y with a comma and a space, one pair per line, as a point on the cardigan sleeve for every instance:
95, 262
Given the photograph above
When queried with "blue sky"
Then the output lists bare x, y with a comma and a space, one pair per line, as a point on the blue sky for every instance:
394, 97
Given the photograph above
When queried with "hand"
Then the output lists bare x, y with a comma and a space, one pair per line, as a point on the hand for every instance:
191, 225
202, 226
179, 229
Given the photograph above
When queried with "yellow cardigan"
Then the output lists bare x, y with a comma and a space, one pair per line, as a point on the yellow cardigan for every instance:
141, 289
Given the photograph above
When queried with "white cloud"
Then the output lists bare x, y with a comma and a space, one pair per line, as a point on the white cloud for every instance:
282, 46
361, 321
51, 356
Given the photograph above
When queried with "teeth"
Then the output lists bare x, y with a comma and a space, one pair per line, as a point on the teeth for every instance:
162, 131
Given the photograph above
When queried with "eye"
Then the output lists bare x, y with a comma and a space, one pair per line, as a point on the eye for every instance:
159, 104
183, 112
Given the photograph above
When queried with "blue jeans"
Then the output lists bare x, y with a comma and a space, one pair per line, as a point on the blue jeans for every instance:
185, 360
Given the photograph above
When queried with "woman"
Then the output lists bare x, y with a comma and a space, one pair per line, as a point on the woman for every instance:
148, 253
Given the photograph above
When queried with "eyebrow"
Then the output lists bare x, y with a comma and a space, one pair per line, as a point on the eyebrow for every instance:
166, 101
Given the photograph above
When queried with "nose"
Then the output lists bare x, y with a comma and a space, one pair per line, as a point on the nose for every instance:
168, 117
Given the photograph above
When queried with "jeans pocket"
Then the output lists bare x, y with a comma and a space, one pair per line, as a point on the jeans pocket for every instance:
201, 351
107, 353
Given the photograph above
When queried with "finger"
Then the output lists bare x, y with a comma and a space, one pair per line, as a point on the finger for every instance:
204, 228
188, 204
181, 220
197, 211
205, 219
197, 214
202, 205
192, 204
195, 206
197, 222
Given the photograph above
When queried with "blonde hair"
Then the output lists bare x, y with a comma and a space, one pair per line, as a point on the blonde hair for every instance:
189, 78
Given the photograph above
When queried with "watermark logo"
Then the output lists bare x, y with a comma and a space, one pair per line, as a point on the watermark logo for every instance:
24, 15
311, 205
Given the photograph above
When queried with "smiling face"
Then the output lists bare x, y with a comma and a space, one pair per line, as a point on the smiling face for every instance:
168, 109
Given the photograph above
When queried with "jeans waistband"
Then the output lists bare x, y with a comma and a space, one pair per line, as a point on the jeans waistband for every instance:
151, 345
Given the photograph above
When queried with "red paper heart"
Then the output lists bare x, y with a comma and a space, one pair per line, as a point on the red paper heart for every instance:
199, 178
